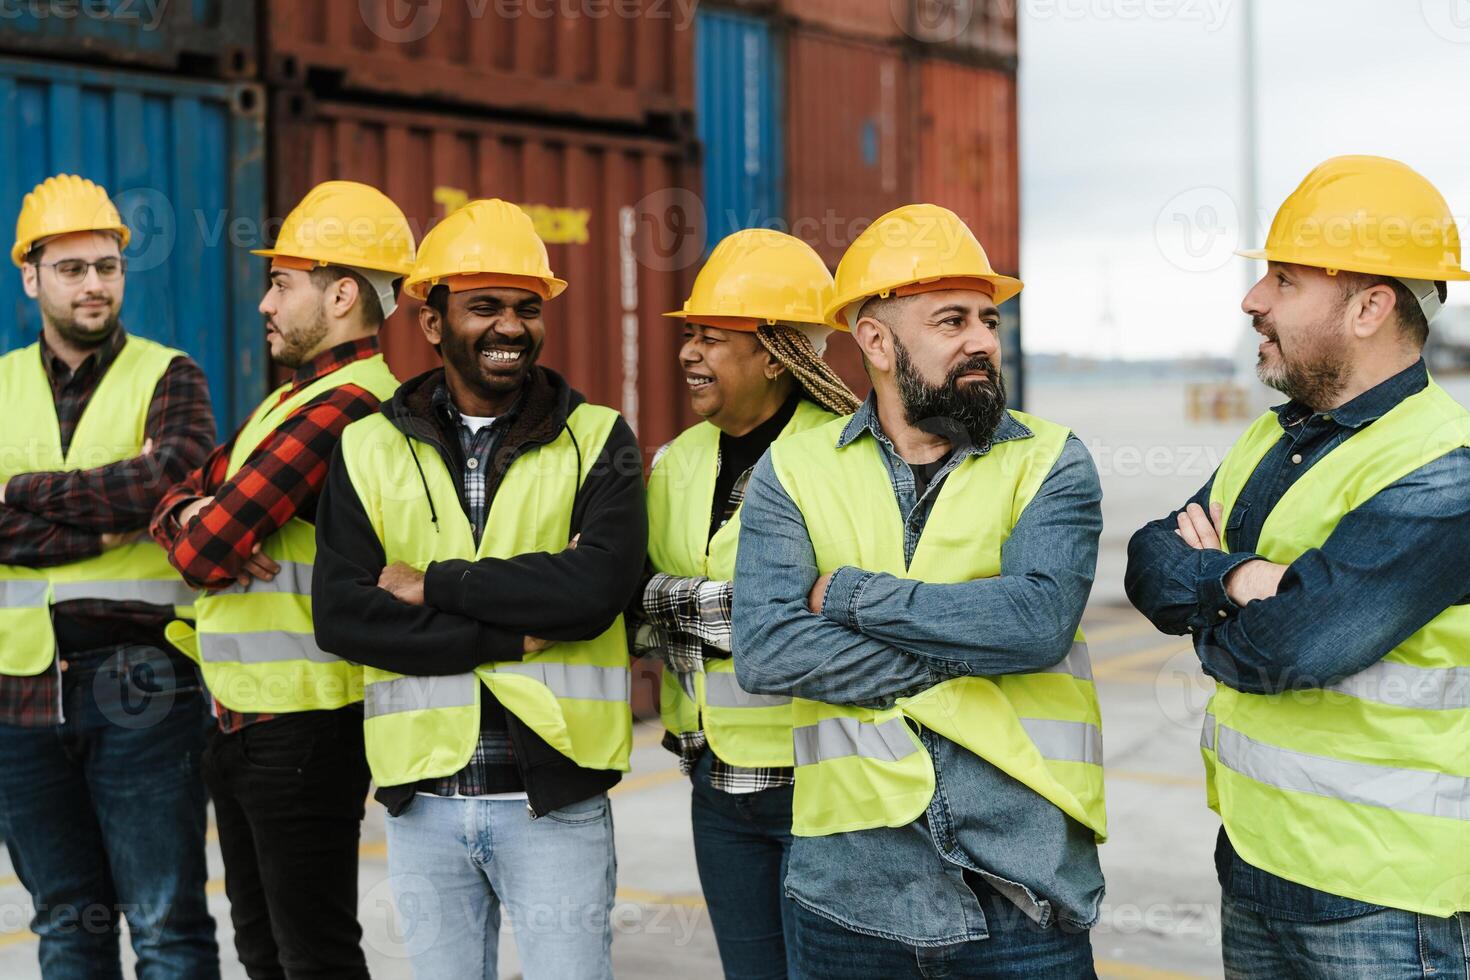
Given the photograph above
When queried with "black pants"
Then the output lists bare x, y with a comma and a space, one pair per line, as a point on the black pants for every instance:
288, 796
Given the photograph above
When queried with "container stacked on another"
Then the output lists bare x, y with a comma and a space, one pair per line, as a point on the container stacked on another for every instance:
179, 146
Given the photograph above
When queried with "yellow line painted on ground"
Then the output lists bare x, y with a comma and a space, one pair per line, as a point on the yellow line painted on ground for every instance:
640, 897
633, 784
650, 735
1155, 778
1151, 655
1131, 971
1118, 631
9, 880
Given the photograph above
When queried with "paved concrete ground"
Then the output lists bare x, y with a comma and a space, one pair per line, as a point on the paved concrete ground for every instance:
1161, 917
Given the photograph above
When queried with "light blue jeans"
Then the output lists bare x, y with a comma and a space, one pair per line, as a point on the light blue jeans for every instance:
454, 863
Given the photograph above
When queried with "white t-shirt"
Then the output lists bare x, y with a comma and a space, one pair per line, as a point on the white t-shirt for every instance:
475, 422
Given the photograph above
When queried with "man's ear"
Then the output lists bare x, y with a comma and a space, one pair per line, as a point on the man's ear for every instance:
30, 279
875, 341
1373, 311
432, 324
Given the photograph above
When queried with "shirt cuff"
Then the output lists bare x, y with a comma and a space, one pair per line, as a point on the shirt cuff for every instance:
1215, 603
839, 604
15, 491
441, 585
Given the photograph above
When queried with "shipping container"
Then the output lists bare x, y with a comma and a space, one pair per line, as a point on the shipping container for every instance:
740, 88
980, 30
185, 163
590, 61
201, 37
877, 19
968, 154
619, 216
849, 134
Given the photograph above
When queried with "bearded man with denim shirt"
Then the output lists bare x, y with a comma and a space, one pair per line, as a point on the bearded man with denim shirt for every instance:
914, 576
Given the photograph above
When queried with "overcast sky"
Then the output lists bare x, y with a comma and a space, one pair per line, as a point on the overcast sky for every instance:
1131, 148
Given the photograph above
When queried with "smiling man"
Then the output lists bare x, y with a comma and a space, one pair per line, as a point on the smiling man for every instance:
1324, 573
478, 541
913, 578
285, 765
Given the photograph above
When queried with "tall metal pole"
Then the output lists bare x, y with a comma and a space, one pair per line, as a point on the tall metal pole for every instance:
1245, 368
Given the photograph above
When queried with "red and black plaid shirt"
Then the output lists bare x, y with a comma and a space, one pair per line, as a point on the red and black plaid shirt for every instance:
55, 518
280, 480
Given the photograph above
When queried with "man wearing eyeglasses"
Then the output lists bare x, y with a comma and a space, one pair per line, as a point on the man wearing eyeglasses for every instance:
101, 728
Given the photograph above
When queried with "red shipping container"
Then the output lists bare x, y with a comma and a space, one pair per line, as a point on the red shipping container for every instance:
984, 30
535, 56
968, 153
859, 18
613, 210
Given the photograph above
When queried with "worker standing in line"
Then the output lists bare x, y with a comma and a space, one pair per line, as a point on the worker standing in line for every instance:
285, 767
1324, 574
101, 726
913, 578
478, 541
754, 334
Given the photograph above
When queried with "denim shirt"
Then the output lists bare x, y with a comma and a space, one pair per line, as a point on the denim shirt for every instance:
1389, 567
880, 637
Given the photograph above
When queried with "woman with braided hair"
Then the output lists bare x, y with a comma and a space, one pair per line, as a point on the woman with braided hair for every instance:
752, 357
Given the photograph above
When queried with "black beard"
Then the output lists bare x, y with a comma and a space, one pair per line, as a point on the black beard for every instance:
1316, 384
963, 415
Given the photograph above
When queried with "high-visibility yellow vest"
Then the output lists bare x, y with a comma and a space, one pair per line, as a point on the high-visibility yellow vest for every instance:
256, 643
743, 729
1361, 789
110, 430
573, 695
859, 768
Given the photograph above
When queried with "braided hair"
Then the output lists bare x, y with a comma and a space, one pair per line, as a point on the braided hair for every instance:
791, 348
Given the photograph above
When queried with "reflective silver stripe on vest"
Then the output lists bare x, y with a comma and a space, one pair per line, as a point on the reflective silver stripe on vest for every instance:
1065, 741
1419, 791
1405, 686
294, 578
419, 693
1207, 733
1076, 662
838, 738
722, 690
158, 592
268, 647
23, 593
581, 681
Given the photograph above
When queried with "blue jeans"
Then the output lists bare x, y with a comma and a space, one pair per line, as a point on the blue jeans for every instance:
741, 843
1389, 943
105, 815
1016, 949
453, 863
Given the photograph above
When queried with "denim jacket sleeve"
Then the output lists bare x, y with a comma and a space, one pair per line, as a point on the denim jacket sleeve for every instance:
1179, 589
1020, 621
1389, 567
780, 646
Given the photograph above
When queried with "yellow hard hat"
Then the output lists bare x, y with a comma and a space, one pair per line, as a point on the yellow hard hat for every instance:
912, 249
61, 205
342, 222
759, 276
1366, 214
488, 242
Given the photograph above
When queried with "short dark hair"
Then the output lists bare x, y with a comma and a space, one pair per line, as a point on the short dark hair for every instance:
438, 299
323, 276
1412, 322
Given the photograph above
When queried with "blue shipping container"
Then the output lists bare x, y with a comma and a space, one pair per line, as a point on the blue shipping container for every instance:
739, 90
215, 38
185, 163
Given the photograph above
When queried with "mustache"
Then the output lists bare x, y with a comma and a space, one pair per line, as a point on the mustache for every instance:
1262, 327
492, 340
977, 363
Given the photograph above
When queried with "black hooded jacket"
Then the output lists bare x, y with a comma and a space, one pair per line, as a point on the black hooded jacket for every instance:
478, 611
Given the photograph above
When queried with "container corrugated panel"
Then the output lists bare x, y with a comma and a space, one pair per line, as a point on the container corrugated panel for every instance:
984, 30
185, 163
591, 62
879, 19
614, 211
208, 37
968, 153
849, 135
740, 86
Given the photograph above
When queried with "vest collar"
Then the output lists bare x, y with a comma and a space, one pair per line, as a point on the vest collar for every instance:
866, 420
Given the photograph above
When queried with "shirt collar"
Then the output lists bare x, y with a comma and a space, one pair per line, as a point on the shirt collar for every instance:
444, 405
99, 359
1371, 405
333, 359
866, 420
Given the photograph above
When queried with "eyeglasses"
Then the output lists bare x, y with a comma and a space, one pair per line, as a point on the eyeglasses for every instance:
73, 271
